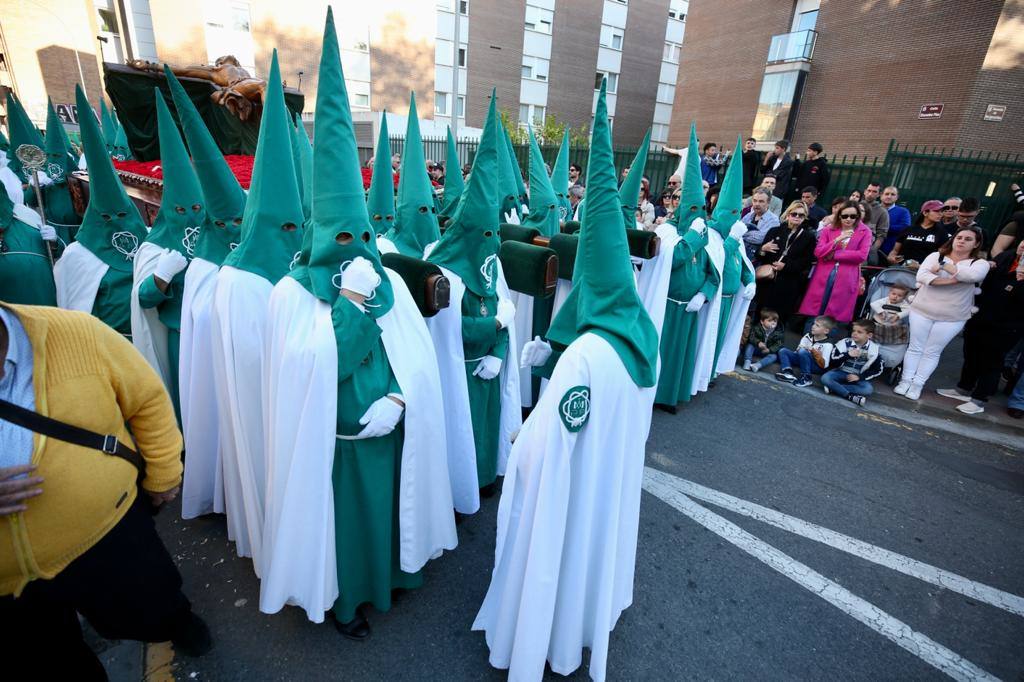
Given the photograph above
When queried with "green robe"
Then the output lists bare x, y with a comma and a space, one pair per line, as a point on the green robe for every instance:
59, 210
112, 303
25, 279
734, 278
692, 273
168, 308
366, 472
480, 337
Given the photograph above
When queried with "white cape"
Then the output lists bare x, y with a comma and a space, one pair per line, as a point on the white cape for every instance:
11, 184
567, 521
446, 330
734, 327
300, 382
77, 275
149, 334
707, 319
653, 281
202, 490
238, 326
524, 334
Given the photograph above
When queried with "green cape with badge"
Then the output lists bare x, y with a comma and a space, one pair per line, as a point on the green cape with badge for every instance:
60, 212
416, 221
25, 276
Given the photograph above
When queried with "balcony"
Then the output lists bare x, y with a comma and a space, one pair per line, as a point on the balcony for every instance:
792, 47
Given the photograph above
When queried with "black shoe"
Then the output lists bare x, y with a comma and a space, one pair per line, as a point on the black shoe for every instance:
356, 629
194, 639
1014, 412
671, 409
786, 375
488, 491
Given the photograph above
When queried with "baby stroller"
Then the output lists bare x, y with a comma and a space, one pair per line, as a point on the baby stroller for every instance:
892, 338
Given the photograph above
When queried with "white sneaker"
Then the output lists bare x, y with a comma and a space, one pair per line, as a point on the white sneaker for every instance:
953, 393
756, 367
902, 388
970, 407
746, 365
914, 392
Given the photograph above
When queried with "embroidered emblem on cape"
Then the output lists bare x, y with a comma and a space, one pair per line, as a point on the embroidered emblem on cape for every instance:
55, 171
295, 260
574, 408
189, 241
487, 269
563, 212
125, 243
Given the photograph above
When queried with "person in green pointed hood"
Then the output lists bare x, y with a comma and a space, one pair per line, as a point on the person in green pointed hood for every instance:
95, 272
22, 131
508, 190
453, 182
560, 179
629, 192
416, 222
302, 153
473, 339
159, 276
517, 173
271, 238
380, 201
25, 275
575, 473
693, 283
120, 150
109, 128
60, 211
544, 213
360, 457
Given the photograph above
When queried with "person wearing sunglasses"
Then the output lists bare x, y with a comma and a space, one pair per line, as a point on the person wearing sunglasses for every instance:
672, 208
788, 249
925, 236
950, 209
840, 251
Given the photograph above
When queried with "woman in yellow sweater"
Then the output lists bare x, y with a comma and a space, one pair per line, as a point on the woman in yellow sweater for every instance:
75, 535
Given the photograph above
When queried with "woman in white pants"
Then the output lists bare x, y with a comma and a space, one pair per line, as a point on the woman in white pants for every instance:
946, 281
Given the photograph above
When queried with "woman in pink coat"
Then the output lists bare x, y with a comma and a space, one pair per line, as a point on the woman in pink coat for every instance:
841, 250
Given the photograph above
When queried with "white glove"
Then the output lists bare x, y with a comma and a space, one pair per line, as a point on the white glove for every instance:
360, 277
44, 179
749, 291
381, 418
488, 368
506, 314
512, 218
535, 353
699, 226
48, 233
169, 264
737, 230
696, 302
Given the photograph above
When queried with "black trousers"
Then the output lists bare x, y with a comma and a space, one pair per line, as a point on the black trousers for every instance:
126, 586
985, 347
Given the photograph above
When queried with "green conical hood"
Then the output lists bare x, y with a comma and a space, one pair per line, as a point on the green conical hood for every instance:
560, 179
109, 129
111, 227
453, 182
416, 222
692, 201
543, 213
469, 246
629, 192
380, 202
730, 199
507, 189
59, 163
517, 173
340, 224
604, 299
272, 227
302, 153
22, 132
4, 144
224, 198
120, 151
181, 214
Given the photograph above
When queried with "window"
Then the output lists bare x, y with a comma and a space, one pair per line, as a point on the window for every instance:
806, 21
539, 19
464, 7
677, 10
240, 16
532, 114
441, 103
535, 68
361, 100
360, 46
666, 93
622, 2
462, 57
672, 51
460, 106
774, 105
613, 81
659, 132
108, 21
611, 37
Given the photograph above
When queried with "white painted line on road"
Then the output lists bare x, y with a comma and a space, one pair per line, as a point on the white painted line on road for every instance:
883, 557
928, 650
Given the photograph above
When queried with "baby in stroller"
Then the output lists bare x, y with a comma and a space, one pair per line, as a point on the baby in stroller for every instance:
889, 303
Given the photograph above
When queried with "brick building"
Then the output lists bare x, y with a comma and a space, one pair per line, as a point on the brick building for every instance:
852, 74
545, 57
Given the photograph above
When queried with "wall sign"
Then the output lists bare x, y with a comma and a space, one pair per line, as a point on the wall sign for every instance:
995, 112
930, 111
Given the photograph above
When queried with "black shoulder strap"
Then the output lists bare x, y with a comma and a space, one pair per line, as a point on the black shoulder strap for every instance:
33, 421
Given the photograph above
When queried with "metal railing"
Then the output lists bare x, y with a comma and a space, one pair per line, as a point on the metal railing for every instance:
792, 47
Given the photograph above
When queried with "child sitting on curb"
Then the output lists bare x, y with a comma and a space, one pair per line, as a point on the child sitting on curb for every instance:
856, 363
764, 342
812, 354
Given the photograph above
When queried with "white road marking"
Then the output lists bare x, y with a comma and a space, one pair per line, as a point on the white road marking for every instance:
928, 650
883, 557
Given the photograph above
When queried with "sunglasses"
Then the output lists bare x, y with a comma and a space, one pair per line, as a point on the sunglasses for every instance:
950, 208
849, 216
677, 197
794, 214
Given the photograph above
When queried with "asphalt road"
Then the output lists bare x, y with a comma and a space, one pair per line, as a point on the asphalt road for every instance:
705, 606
